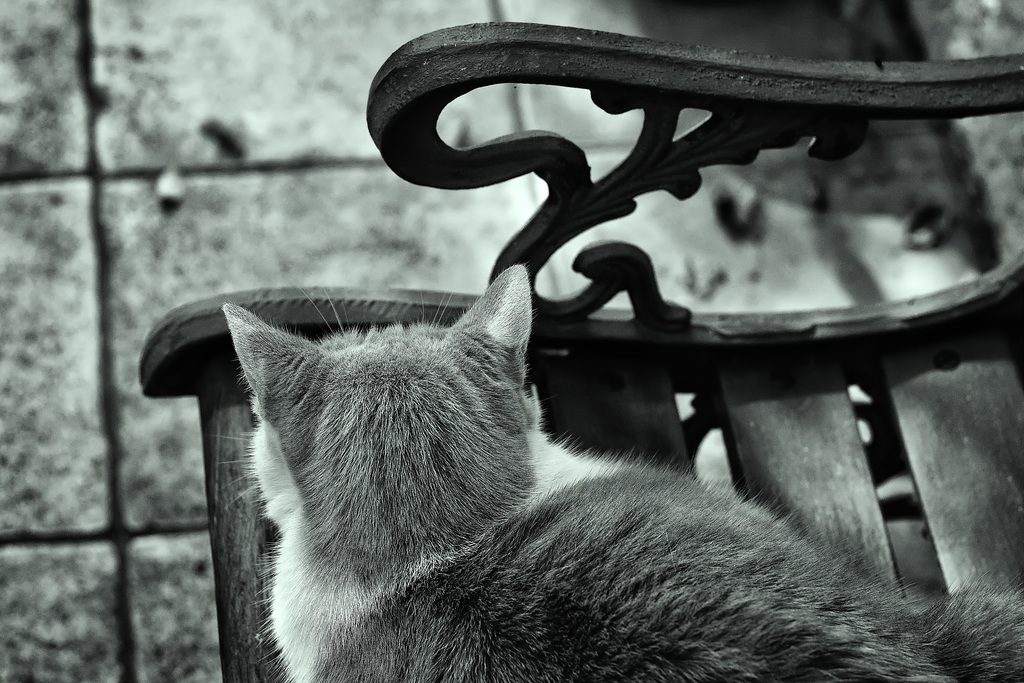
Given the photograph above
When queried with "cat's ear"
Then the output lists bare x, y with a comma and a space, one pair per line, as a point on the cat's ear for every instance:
505, 310
266, 353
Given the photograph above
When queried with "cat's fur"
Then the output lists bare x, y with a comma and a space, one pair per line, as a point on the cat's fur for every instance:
431, 532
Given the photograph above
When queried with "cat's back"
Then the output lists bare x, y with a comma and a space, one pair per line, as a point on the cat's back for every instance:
642, 577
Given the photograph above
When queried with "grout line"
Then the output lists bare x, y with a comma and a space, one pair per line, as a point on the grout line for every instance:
269, 166
151, 172
109, 534
108, 399
32, 176
42, 537
170, 529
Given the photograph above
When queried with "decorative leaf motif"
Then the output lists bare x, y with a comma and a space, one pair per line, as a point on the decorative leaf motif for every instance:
733, 134
756, 101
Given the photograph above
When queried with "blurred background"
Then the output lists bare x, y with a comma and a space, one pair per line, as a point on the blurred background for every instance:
153, 152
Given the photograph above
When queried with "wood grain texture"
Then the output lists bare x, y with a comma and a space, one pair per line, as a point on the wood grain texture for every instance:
239, 535
792, 432
960, 410
613, 404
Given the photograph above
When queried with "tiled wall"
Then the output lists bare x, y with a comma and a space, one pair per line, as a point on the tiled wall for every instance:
258, 106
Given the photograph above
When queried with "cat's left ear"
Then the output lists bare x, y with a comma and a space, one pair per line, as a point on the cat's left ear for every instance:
266, 353
505, 311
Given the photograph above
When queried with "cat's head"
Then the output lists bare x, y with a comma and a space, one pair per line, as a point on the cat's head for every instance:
382, 445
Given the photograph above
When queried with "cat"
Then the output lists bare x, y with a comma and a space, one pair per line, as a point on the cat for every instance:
430, 531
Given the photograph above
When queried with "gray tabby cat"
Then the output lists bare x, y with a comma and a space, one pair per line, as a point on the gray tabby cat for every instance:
431, 532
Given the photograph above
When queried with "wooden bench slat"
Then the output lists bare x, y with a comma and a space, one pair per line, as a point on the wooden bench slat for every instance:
239, 535
625, 405
960, 409
793, 433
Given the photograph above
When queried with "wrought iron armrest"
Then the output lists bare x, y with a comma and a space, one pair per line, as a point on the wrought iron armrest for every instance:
756, 102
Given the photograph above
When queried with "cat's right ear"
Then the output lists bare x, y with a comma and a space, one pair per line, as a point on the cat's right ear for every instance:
505, 310
268, 355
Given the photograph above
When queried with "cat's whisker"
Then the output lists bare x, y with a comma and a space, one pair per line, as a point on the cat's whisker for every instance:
248, 483
439, 314
240, 496
245, 495
448, 303
245, 480
272, 659
547, 399
316, 308
331, 302
230, 438
433, 318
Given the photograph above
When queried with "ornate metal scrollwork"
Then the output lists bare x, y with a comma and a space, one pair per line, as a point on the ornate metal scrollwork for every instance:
615, 267
756, 102
733, 134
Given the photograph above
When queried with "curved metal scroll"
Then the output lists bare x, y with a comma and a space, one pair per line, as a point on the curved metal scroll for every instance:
756, 102
616, 266
733, 134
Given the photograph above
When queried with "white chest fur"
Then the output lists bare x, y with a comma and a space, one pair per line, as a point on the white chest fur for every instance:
306, 608
556, 466
306, 611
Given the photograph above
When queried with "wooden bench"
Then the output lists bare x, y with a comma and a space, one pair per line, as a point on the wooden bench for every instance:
943, 372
